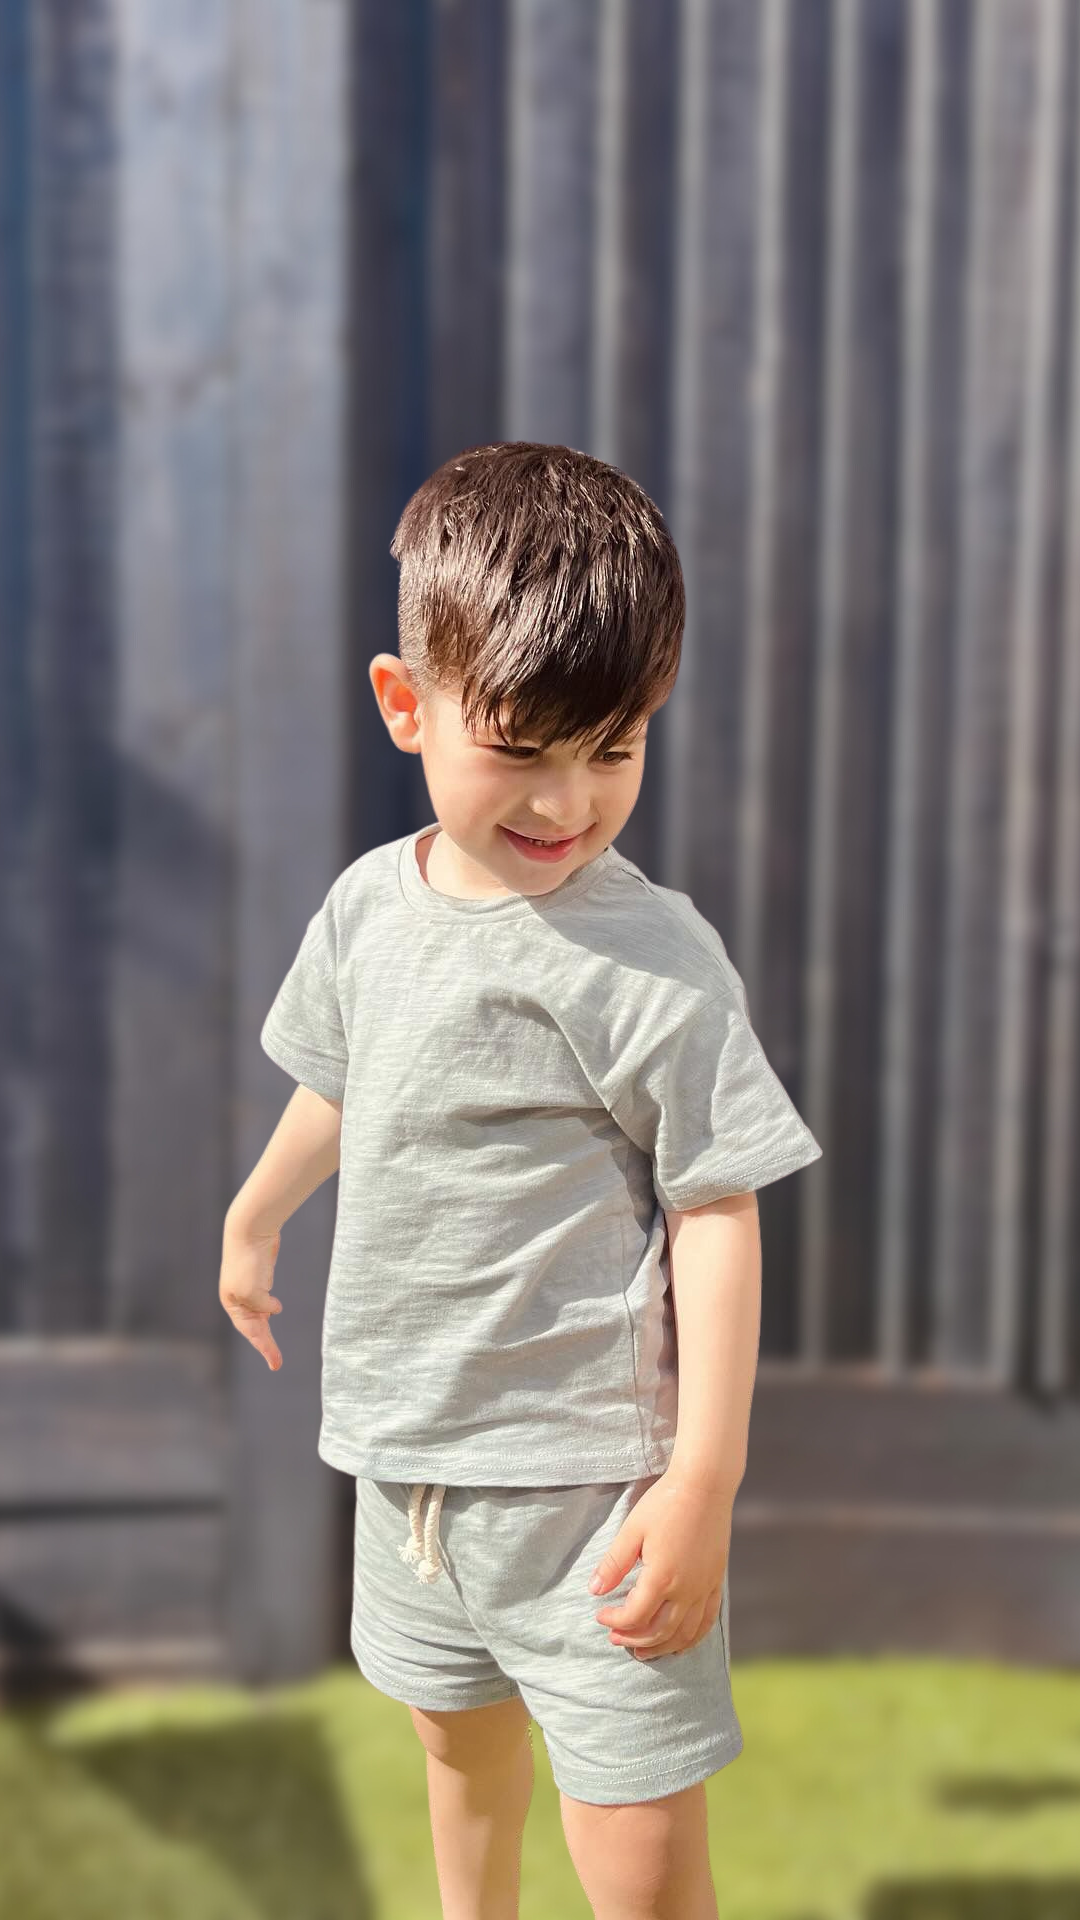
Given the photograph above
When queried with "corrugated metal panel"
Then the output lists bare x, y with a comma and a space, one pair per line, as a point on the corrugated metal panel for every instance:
807, 270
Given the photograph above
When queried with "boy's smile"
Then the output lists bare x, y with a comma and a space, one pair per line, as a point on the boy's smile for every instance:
540, 848
513, 819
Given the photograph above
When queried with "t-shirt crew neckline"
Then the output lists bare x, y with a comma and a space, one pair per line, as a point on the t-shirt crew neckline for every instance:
427, 899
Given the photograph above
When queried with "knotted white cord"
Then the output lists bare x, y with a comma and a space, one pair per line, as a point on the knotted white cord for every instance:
421, 1549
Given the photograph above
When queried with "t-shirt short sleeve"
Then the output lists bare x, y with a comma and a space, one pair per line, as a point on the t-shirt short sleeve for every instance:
708, 1109
304, 1031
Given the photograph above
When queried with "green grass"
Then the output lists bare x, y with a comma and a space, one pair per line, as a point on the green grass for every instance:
897, 1789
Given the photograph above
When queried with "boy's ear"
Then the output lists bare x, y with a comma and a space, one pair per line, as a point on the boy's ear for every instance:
397, 700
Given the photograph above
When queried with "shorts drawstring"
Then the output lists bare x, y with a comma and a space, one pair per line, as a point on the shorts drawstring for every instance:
421, 1549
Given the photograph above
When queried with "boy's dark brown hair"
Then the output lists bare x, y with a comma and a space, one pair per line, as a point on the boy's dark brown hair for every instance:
543, 583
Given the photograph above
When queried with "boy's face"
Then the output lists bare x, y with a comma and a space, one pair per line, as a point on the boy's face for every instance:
485, 795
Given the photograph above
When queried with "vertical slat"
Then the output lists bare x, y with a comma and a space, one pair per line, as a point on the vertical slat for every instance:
466, 191
869, 652
855, 647
17, 715
939, 541
64, 1149
897, 1193
1057, 1337
612, 154
170, 1128
778, 975
935, 263
948, 1341
826, 720
633, 251
388, 398
719, 84
752, 872
289, 746
634, 244
997, 295
765, 834
551, 107
1012, 1165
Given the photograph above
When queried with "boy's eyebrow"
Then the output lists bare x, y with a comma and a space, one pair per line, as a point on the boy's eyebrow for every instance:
527, 746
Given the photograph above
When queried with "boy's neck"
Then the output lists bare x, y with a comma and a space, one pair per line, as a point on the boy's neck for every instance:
431, 858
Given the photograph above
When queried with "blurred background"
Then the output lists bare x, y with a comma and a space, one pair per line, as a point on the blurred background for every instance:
809, 271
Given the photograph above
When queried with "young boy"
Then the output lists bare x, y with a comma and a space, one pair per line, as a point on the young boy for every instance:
536, 1071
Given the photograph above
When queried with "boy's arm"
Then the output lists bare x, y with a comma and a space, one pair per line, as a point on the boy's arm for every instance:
715, 1259
302, 1152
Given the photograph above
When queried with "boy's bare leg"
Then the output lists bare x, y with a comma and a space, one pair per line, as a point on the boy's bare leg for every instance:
480, 1783
644, 1861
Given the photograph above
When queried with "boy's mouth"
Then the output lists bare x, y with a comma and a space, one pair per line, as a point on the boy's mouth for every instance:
541, 849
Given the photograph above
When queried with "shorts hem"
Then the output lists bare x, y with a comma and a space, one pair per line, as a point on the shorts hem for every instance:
427, 1699
649, 1783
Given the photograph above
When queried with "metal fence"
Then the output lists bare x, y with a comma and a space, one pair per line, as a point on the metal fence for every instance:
808, 270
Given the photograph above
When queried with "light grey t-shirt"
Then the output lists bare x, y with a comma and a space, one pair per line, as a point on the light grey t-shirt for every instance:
527, 1084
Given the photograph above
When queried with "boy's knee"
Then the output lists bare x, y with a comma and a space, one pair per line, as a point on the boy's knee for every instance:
475, 1737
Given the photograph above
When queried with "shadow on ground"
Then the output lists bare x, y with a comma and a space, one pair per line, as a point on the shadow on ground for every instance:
982, 1794
965, 1897
259, 1796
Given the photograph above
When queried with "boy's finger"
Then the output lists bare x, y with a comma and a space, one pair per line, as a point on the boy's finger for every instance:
254, 1325
263, 1342
258, 1303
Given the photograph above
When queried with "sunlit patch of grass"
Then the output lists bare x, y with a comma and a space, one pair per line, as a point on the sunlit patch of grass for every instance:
890, 1789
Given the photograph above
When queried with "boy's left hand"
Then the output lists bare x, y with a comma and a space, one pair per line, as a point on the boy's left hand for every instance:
681, 1530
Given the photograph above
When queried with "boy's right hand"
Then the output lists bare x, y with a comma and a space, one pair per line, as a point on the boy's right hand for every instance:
247, 1275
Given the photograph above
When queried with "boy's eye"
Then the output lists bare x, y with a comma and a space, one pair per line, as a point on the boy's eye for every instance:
611, 757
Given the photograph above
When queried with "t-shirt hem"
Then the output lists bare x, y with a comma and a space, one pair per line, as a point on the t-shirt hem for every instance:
458, 1470
322, 1076
761, 1175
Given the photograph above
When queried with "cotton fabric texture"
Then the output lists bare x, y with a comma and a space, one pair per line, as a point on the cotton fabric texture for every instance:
527, 1084
512, 1614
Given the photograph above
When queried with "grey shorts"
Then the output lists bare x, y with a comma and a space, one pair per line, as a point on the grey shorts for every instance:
509, 1612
